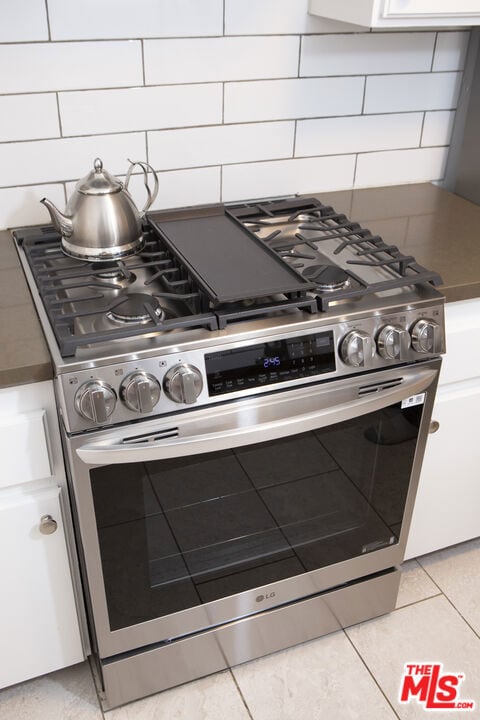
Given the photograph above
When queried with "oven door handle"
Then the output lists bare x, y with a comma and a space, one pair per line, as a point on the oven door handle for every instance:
254, 420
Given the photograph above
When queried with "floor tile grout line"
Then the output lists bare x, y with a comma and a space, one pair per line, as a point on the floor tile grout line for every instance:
415, 602
477, 634
371, 674
230, 670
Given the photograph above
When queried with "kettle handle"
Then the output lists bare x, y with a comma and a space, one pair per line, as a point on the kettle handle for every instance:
145, 167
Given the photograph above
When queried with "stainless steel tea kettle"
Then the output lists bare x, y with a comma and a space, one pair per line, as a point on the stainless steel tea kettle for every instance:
101, 222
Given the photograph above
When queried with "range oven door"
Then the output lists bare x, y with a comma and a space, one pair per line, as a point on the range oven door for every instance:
191, 521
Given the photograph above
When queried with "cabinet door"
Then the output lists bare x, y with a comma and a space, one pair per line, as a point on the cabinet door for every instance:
448, 499
38, 620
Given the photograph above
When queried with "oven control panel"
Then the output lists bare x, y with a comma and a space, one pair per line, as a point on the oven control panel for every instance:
159, 385
270, 362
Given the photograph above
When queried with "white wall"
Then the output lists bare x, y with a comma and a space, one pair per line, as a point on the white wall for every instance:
227, 99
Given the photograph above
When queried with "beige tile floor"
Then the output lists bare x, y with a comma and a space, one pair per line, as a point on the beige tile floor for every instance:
351, 675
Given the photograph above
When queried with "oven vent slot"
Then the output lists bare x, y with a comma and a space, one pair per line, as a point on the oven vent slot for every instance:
151, 437
378, 387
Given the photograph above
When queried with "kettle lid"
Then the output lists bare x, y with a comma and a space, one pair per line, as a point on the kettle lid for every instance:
99, 181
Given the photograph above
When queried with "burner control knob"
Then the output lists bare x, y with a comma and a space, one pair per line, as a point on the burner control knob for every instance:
140, 392
95, 400
357, 349
393, 342
427, 337
183, 383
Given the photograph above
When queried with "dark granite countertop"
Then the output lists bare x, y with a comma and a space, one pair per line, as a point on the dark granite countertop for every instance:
441, 230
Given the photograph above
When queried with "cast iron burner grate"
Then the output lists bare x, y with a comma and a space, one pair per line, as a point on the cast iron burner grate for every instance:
311, 224
77, 293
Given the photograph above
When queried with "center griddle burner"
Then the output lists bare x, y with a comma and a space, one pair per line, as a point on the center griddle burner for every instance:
137, 308
327, 277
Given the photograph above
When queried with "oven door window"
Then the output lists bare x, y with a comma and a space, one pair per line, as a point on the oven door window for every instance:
177, 533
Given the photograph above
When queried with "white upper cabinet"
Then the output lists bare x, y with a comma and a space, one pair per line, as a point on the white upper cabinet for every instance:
400, 13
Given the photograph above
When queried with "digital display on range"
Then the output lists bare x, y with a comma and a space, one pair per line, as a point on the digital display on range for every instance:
270, 362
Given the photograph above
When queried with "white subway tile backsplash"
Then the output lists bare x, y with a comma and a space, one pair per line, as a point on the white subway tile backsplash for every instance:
143, 108
299, 98
69, 66
400, 166
90, 19
174, 149
284, 177
362, 133
401, 93
28, 117
450, 51
271, 17
41, 161
21, 205
178, 188
216, 59
366, 53
437, 128
23, 21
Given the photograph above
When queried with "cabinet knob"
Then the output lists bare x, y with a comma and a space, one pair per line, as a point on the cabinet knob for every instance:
434, 426
47, 525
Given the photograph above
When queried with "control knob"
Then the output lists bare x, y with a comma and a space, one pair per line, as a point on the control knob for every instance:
427, 336
95, 400
393, 342
183, 383
140, 392
357, 349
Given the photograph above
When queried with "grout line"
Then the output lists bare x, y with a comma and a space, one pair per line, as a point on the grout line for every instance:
364, 96
294, 139
59, 117
442, 592
371, 674
299, 54
224, 17
355, 170
48, 21
240, 693
147, 148
142, 46
421, 129
223, 104
231, 80
434, 51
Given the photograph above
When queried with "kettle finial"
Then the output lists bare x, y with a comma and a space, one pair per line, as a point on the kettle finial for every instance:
98, 165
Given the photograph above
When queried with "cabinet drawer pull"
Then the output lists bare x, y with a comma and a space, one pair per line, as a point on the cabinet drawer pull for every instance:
47, 525
434, 426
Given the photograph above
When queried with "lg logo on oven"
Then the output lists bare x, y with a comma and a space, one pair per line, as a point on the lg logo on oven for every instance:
267, 596
430, 686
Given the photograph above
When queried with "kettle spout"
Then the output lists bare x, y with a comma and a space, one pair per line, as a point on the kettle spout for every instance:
61, 222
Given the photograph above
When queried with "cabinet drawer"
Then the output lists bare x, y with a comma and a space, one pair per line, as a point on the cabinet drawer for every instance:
24, 448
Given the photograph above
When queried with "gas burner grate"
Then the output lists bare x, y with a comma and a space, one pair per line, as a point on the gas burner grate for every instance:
66, 286
302, 224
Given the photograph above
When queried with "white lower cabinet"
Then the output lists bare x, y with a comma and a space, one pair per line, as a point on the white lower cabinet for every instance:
447, 506
38, 618
39, 622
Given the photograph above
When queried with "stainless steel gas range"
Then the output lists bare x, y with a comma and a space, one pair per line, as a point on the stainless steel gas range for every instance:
244, 406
